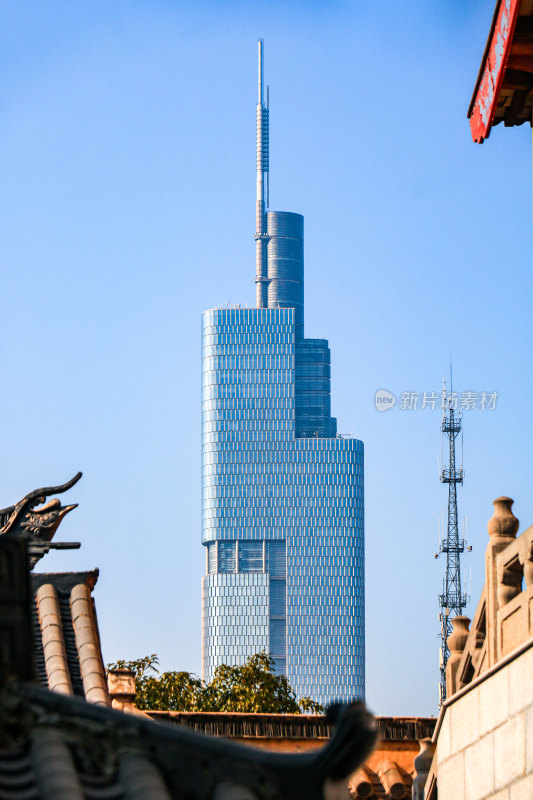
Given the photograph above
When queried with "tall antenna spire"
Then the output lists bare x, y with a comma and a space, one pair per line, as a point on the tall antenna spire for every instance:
453, 600
262, 199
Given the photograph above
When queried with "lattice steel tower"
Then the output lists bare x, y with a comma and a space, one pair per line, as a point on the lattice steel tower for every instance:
452, 601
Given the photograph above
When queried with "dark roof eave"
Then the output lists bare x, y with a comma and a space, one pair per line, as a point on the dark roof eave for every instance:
64, 581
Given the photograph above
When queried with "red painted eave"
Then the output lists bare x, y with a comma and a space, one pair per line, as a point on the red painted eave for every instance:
504, 84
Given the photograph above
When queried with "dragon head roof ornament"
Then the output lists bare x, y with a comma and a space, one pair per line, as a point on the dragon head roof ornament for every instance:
35, 520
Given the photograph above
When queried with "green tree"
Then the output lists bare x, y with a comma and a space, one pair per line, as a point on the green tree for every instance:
172, 691
309, 706
251, 687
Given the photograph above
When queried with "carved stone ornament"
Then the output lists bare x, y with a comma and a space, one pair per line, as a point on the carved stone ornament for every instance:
38, 525
503, 522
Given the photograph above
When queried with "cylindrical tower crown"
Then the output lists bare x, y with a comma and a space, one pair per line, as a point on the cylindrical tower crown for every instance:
285, 255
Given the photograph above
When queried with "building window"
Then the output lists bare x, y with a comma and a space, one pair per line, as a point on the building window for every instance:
226, 557
276, 559
277, 638
280, 666
211, 558
277, 598
250, 556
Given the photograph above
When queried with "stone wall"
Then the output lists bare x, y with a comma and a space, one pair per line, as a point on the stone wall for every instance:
485, 736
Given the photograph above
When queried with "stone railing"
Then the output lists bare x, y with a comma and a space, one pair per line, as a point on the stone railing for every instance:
504, 616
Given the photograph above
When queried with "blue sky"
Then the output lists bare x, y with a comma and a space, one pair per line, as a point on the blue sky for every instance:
127, 149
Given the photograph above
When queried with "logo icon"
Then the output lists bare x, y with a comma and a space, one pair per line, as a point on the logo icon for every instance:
384, 400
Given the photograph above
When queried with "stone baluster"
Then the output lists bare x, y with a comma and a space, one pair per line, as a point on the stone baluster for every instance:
422, 766
526, 559
502, 528
456, 644
509, 582
477, 649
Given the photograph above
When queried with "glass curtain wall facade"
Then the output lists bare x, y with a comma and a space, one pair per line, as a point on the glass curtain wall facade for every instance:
282, 506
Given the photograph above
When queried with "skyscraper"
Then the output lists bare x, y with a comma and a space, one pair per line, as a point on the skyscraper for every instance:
282, 493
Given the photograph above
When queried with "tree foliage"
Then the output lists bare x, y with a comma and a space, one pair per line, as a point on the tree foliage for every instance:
252, 687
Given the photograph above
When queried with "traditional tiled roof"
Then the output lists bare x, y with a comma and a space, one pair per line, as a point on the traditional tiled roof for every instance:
387, 773
65, 635
56, 746
66, 644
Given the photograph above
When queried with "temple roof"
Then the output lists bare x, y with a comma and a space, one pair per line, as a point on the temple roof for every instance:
57, 746
387, 773
66, 642
288, 726
503, 88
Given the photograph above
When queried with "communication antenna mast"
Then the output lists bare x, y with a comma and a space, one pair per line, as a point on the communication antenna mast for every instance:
452, 601
262, 185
